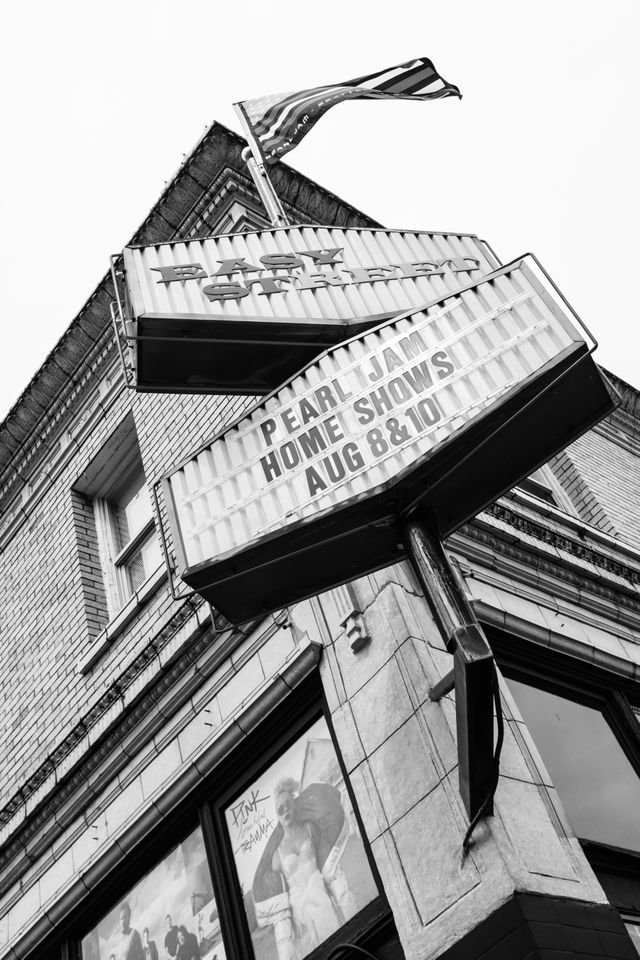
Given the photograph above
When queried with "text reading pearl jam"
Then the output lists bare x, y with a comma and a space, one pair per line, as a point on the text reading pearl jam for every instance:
317, 429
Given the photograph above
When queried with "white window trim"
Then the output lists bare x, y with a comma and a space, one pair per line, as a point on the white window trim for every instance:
135, 543
116, 579
551, 482
108, 553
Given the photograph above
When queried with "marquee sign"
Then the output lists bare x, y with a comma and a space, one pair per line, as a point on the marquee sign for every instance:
242, 313
441, 409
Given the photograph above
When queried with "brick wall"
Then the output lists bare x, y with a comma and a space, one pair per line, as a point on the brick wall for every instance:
580, 493
610, 468
91, 577
52, 593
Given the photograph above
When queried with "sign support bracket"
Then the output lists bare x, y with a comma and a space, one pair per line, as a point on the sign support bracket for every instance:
474, 673
444, 686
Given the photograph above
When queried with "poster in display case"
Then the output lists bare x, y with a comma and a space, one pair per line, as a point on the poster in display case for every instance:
171, 912
298, 851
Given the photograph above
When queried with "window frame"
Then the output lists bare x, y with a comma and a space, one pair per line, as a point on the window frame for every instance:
105, 484
368, 923
615, 696
205, 808
114, 558
545, 490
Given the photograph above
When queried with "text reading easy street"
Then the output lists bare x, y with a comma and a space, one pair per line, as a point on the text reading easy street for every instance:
308, 276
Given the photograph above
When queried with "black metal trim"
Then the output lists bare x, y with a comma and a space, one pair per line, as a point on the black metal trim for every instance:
593, 686
558, 671
604, 857
578, 680
619, 873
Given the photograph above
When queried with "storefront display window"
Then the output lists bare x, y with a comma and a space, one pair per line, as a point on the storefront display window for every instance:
276, 869
298, 852
171, 912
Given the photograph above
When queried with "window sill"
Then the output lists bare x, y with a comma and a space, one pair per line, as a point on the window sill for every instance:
114, 628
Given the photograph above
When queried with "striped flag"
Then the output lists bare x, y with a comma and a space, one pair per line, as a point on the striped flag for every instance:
279, 122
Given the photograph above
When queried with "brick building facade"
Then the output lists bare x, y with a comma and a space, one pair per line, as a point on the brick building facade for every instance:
134, 720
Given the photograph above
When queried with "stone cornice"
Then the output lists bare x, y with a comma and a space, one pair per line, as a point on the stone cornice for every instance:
113, 693
46, 459
562, 541
226, 189
582, 654
528, 552
47, 437
501, 559
117, 726
41, 403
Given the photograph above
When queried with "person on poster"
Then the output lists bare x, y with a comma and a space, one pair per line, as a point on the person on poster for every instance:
149, 946
171, 937
299, 886
188, 948
130, 941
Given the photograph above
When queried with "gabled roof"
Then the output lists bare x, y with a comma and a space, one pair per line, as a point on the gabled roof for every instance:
211, 178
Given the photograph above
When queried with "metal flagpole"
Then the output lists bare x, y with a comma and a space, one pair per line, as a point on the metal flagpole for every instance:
253, 158
473, 674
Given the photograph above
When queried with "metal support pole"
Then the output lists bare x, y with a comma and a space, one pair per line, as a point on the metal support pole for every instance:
253, 159
473, 665
264, 186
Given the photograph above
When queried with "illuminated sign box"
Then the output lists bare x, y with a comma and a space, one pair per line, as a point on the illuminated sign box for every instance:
440, 410
244, 312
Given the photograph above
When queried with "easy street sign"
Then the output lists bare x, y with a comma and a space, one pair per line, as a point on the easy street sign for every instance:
242, 313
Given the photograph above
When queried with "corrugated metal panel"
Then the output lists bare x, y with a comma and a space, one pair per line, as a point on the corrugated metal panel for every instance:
368, 412
340, 298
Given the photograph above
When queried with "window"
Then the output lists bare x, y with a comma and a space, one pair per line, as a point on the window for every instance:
538, 485
171, 911
598, 785
299, 859
545, 486
584, 722
129, 547
269, 863
125, 533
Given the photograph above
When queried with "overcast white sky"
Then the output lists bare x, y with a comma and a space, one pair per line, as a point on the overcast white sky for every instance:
101, 101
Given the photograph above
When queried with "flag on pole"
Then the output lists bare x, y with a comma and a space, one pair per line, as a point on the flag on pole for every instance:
280, 121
